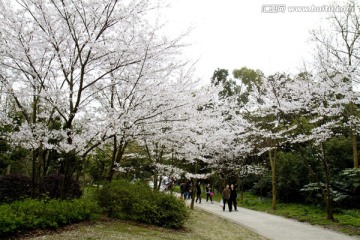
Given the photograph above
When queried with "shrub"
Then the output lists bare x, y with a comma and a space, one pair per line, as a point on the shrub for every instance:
347, 182
137, 202
50, 186
14, 187
173, 213
32, 214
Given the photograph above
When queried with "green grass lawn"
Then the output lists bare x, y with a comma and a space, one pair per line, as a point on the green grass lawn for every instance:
201, 225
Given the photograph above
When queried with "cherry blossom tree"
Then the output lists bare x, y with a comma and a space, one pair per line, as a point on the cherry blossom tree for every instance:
306, 109
207, 134
337, 54
267, 107
159, 131
57, 57
152, 94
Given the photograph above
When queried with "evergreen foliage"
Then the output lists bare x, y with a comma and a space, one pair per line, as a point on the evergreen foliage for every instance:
137, 202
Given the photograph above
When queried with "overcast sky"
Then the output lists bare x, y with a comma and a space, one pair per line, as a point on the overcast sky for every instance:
231, 34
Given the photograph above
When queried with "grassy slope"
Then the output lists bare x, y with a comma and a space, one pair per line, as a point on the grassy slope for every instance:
201, 225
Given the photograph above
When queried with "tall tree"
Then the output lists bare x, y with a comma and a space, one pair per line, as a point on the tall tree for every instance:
206, 133
229, 86
59, 55
309, 113
338, 54
265, 114
251, 80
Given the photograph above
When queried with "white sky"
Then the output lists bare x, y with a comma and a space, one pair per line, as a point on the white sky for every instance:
231, 34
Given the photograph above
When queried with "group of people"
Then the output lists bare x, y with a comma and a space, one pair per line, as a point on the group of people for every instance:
186, 189
229, 196
208, 190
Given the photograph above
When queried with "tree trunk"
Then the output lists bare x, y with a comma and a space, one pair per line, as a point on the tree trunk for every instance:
155, 181
194, 187
35, 152
46, 164
70, 164
65, 173
241, 193
193, 194
42, 163
159, 184
84, 172
117, 154
273, 177
353, 138
113, 157
112, 164
327, 190
33, 174
355, 151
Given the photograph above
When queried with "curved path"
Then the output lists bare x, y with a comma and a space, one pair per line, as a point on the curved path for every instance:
271, 226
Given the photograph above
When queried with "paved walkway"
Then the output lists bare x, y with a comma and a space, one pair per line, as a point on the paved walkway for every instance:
271, 226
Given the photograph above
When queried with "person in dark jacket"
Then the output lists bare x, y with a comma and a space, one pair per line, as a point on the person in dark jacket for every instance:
226, 197
198, 192
182, 190
191, 189
187, 193
209, 193
233, 196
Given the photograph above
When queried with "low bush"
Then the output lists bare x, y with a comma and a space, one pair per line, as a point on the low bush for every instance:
173, 212
14, 187
137, 202
50, 186
34, 214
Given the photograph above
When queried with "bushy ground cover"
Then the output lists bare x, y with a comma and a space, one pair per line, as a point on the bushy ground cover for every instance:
138, 202
30, 214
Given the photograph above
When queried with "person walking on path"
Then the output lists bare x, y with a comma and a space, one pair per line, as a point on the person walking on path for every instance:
198, 192
185, 189
191, 189
182, 190
226, 197
233, 196
209, 193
